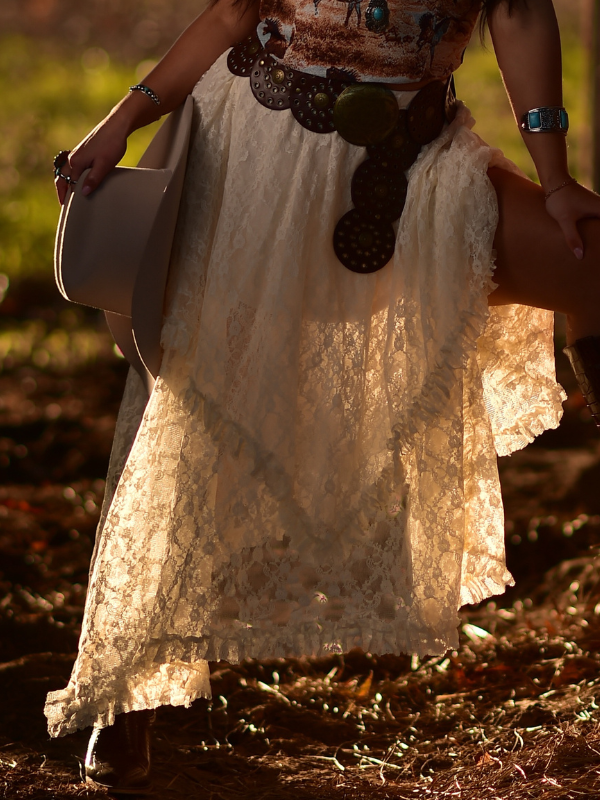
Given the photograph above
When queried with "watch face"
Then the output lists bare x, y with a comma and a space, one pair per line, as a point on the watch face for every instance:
552, 118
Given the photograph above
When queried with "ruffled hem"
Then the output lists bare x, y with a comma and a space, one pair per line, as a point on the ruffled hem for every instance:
185, 678
176, 684
475, 589
475, 332
455, 356
320, 445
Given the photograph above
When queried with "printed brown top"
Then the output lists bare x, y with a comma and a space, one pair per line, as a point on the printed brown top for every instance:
393, 41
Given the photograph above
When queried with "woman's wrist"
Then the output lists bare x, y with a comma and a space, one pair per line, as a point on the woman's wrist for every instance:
549, 152
134, 111
559, 187
551, 181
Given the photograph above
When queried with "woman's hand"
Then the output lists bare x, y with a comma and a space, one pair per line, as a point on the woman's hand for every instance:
570, 205
102, 149
217, 29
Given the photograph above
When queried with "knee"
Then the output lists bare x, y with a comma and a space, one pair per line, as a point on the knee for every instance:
590, 233
586, 273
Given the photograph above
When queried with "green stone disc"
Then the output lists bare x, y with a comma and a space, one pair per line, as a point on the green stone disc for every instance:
364, 114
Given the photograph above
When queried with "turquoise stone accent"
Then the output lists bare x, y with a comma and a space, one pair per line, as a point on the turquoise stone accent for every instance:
535, 119
564, 119
378, 14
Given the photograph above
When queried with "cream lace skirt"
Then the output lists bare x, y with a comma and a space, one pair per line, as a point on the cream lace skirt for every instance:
316, 467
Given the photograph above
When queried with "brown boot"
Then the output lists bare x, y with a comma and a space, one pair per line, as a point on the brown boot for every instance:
118, 758
584, 356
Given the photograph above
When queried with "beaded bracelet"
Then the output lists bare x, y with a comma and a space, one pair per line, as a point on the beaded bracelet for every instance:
60, 161
140, 87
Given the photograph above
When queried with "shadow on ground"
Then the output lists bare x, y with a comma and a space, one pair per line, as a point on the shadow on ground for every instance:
511, 715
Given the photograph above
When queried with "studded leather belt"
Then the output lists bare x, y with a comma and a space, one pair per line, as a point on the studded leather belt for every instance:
364, 114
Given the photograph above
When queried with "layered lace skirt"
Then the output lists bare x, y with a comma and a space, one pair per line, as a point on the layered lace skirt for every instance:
315, 469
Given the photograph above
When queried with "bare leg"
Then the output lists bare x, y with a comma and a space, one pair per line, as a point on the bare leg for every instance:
535, 266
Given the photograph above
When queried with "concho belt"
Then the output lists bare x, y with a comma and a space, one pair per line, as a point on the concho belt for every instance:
364, 114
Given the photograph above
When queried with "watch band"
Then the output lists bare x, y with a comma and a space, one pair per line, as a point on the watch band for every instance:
547, 119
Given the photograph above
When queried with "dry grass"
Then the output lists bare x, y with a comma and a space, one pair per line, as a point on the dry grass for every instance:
512, 715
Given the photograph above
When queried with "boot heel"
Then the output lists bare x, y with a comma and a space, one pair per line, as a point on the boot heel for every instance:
584, 356
119, 758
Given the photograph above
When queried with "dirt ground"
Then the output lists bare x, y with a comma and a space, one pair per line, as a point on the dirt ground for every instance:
511, 715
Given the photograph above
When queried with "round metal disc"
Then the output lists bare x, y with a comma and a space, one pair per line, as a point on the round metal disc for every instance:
379, 193
361, 244
365, 113
241, 57
313, 101
427, 113
398, 151
272, 83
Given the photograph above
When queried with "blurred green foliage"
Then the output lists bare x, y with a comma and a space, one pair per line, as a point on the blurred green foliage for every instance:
68, 345
480, 85
50, 102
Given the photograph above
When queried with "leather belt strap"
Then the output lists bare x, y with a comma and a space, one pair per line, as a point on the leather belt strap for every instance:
364, 114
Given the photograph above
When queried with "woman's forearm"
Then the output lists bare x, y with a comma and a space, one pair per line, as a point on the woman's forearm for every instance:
527, 45
220, 27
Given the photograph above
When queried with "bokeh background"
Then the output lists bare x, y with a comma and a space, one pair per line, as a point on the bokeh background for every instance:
64, 64
511, 715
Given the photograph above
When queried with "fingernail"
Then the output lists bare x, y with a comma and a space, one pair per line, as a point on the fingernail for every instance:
578, 251
87, 190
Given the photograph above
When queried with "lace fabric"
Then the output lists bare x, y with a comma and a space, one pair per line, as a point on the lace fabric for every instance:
315, 469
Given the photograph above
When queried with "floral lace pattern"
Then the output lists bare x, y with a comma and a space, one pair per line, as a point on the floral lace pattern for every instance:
315, 469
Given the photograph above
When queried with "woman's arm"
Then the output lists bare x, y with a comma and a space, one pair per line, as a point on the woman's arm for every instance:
527, 45
218, 28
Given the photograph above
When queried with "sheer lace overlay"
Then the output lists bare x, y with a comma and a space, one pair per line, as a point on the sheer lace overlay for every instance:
315, 469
